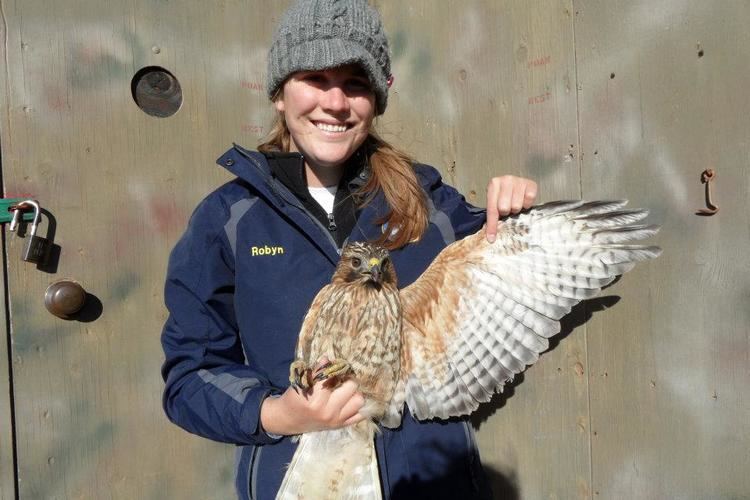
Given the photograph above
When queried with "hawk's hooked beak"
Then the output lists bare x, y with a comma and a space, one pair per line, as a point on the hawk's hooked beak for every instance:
376, 273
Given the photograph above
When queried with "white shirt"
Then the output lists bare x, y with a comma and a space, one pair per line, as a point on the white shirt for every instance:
324, 196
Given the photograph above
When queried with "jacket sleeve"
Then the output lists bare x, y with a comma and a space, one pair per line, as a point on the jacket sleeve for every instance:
209, 391
449, 205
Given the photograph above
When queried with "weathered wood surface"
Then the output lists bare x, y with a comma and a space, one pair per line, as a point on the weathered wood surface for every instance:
7, 471
663, 97
647, 400
121, 185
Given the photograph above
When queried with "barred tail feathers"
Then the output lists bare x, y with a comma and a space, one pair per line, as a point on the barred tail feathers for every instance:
339, 464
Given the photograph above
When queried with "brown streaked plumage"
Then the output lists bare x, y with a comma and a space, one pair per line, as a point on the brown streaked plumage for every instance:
477, 316
354, 322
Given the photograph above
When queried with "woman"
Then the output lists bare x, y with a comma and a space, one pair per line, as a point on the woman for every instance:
259, 248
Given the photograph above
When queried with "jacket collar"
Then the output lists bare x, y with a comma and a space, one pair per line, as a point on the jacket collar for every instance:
254, 168
289, 168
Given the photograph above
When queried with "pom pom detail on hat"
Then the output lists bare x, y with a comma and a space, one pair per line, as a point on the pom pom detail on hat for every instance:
322, 34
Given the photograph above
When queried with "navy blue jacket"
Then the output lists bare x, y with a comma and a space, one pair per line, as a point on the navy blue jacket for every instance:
239, 283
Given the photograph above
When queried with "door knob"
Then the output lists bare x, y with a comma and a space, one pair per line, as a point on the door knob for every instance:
64, 298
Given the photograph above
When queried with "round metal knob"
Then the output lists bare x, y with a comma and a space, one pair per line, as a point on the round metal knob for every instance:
64, 298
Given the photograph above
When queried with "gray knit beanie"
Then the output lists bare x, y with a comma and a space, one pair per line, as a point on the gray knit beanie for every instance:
321, 34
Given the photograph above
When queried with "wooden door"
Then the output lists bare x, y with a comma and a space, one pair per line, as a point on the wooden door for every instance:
120, 185
644, 397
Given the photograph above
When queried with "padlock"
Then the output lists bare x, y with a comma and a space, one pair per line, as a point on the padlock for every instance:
17, 217
37, 247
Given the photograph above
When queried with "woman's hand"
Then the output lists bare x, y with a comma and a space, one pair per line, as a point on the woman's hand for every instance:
507, 195
320, 408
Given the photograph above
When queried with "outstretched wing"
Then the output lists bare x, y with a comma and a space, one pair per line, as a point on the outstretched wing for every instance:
483, 312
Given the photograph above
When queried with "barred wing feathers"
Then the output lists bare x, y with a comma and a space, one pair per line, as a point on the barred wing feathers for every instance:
483, 312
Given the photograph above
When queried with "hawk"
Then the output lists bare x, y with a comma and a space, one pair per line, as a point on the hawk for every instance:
480, 314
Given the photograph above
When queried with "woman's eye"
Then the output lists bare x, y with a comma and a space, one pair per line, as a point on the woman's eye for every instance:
312, 77
358, 85
356, 261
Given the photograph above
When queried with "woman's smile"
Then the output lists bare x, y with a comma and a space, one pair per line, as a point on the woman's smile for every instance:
331, 127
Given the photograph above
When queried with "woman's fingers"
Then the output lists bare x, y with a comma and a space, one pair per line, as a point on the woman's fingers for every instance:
529, 195
493, 215
332, 407
507, 195
352, 407
357, 418
320, 408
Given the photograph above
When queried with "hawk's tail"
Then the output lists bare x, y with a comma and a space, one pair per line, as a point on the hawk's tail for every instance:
338, 464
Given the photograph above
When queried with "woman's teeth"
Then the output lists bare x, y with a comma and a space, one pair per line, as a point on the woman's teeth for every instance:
326, 127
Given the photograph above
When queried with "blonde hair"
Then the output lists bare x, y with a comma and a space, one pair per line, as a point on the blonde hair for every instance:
392, 173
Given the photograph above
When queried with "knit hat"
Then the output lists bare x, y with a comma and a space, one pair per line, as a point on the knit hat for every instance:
322, 34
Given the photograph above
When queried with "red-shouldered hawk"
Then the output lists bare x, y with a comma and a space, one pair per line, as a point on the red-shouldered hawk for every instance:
477, 316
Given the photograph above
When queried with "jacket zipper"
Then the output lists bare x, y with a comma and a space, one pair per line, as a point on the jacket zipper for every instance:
294, 203
312, 218
331, 223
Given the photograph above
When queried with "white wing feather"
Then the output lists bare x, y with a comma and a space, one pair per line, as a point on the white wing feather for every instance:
483, 312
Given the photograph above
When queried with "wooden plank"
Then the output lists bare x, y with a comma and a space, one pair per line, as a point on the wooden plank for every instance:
121, 185
484, 88
663, 97
7, 466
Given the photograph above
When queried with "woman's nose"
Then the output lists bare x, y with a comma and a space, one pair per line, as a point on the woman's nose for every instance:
335, 100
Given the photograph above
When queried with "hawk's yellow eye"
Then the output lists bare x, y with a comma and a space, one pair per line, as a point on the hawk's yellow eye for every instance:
356, 261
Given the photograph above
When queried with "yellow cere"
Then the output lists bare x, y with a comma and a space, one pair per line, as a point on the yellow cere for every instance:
374, 262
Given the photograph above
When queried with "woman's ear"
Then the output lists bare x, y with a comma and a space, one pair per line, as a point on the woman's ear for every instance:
279, 104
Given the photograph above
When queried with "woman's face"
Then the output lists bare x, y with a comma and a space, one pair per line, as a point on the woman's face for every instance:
328, 113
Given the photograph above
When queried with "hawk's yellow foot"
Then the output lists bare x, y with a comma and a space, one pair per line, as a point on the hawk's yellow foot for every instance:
335, 368
299, 375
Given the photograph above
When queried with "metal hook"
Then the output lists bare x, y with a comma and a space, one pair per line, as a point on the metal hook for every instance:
706, 177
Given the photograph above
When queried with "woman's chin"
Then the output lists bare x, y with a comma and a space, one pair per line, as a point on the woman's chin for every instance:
330, 158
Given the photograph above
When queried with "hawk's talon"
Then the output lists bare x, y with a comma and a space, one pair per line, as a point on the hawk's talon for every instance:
335, 368
299, 376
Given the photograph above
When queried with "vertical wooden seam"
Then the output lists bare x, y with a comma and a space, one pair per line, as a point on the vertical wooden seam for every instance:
573, 17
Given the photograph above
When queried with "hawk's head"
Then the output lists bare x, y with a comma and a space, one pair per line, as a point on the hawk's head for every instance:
365, 263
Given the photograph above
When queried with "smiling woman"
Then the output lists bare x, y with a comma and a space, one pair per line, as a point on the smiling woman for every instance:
322, 179
329, 114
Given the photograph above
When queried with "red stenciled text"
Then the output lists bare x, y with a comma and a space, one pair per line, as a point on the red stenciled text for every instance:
538, 99
250, 128
245, 84
540, 61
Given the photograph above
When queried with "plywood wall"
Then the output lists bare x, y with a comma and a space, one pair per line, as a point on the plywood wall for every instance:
121, 185
633, 100
663, 98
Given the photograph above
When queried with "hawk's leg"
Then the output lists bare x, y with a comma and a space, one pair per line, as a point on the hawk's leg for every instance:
299, 375
335, 368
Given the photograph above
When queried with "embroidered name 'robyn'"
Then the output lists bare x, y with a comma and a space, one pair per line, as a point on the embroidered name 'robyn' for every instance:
266, 250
